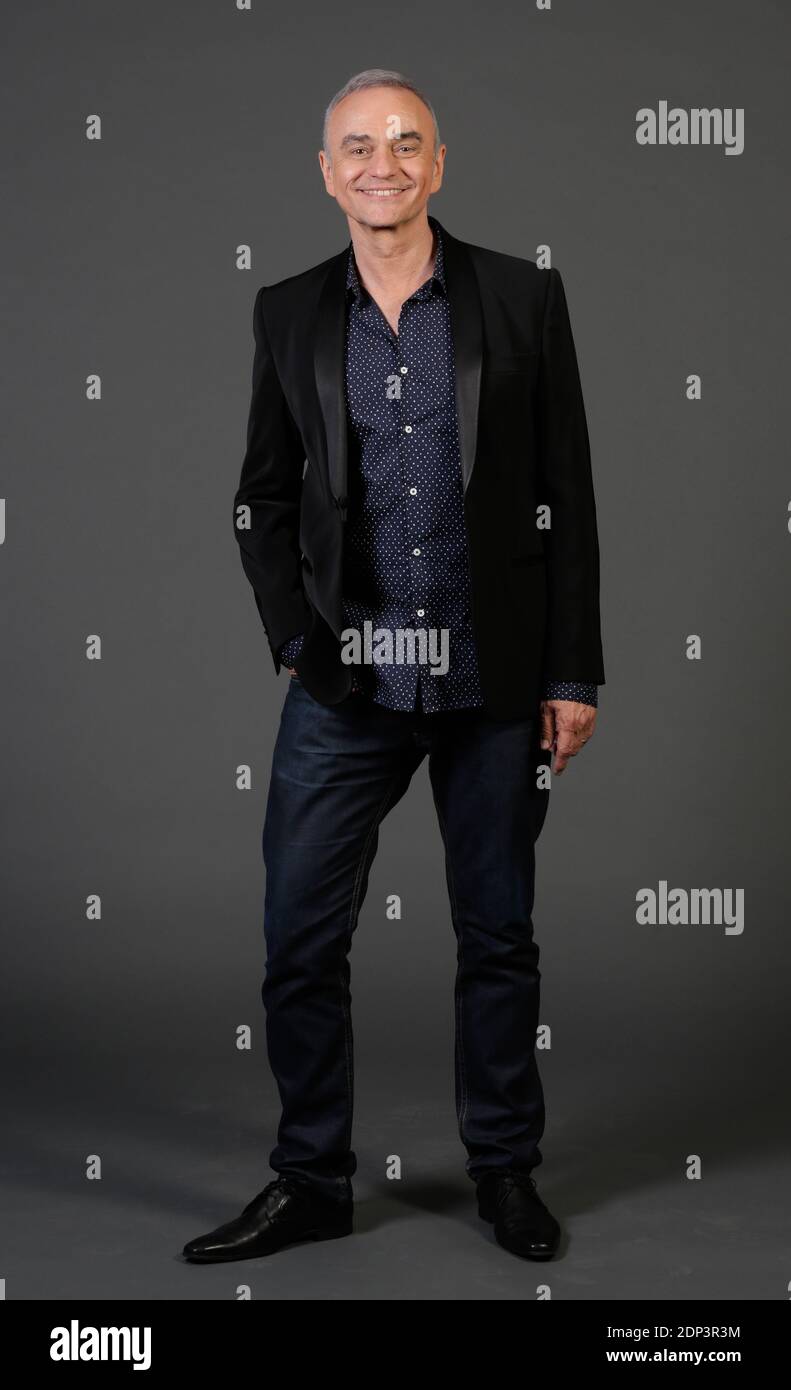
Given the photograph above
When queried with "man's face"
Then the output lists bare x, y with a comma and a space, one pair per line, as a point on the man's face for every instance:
381, 166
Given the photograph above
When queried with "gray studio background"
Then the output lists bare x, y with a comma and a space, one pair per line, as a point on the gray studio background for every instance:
118, 775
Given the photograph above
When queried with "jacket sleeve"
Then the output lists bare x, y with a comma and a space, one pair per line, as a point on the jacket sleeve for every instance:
267, 503
573, 650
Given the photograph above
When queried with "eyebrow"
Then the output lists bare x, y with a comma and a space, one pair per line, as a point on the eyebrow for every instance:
360, 139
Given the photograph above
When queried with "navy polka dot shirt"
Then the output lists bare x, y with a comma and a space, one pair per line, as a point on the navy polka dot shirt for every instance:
405, 547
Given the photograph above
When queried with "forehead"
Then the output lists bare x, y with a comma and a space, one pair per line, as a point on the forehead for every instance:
373, 110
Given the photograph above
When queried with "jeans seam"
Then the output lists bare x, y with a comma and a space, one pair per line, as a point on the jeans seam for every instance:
353, 911
459, 1013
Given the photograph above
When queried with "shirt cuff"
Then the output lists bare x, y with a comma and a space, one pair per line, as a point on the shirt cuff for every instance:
291, 649
581, 691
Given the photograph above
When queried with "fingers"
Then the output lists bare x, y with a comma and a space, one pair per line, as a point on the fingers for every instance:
547, 725
570, 742
567, 747
573, 727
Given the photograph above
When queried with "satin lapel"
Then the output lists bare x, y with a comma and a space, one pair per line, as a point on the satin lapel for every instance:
328, 364
467, 325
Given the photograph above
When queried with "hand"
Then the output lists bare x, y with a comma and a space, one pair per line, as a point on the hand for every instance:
566, 727
292, 671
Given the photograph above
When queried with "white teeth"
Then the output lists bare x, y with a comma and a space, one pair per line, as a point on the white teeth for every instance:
381, 192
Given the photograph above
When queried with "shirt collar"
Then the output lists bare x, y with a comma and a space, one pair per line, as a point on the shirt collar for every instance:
435, 282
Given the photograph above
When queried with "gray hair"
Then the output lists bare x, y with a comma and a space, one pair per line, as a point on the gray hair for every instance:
377, 77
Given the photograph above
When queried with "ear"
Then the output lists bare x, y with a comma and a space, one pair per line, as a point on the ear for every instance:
439, 165
326, 169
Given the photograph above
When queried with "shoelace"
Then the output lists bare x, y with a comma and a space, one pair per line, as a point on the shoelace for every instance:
285, 1184
522, 1180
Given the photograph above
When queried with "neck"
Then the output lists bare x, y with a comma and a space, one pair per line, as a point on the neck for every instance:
390, 258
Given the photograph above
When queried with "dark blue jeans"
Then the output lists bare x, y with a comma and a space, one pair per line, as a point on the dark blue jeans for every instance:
336, 772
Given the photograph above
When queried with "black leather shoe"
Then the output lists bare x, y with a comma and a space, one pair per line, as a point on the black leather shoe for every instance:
287, 1210
522, 1224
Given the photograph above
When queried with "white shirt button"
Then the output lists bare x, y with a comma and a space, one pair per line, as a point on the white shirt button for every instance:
407, 429
413, 492
404, 370
416, 550
420, 612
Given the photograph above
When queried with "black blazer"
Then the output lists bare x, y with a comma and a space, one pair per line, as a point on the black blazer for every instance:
524, 445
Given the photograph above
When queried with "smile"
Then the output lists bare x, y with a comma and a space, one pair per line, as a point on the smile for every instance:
382, 192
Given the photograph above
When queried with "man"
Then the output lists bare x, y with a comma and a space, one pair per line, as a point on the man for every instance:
417, 461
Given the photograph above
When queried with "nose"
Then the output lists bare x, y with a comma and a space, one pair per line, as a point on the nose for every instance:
382, 164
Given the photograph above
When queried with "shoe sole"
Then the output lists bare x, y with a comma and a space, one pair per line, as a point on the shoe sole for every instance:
526, 1255
226, 1258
